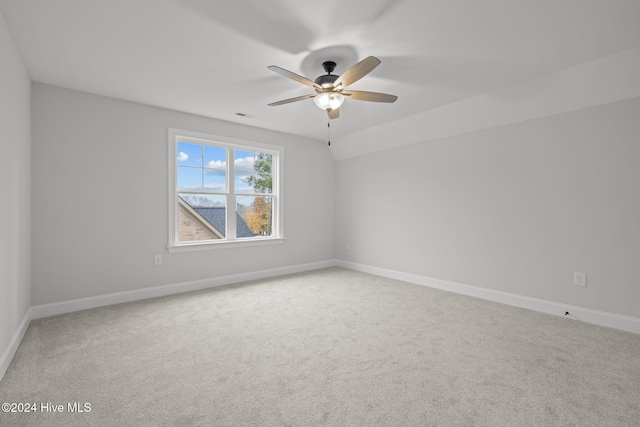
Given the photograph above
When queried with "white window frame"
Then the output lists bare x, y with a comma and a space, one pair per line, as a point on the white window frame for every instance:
277, 152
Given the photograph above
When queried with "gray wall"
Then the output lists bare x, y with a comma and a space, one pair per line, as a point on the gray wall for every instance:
100, 184
516, 208
15, 189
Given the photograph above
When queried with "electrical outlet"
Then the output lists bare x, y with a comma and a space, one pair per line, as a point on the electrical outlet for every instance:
157, 260
348, 246
580, 279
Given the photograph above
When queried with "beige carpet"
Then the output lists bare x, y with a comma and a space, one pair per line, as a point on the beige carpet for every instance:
331, 347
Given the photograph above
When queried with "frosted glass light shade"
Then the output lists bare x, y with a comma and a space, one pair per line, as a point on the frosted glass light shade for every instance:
330, 100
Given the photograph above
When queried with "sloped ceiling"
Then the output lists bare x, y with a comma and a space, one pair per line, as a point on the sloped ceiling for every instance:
456, 65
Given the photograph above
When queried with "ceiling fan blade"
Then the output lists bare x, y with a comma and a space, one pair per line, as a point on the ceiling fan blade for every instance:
294, 76
357, 71
287, 101
333, 114
361, 95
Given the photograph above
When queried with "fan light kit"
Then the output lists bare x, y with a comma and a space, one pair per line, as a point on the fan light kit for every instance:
330, 89
329, 100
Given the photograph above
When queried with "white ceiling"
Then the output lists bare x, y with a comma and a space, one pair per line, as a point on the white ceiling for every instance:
210, 57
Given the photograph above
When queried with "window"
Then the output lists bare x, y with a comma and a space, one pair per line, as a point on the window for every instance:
222, 192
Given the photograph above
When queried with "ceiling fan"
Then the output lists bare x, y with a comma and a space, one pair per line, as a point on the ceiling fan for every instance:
331, 89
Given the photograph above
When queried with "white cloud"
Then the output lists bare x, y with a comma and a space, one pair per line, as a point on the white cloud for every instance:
187, 187
182, 156
217, 164
215, 187
244, 166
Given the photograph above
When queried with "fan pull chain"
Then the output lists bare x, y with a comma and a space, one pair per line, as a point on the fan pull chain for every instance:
328, 133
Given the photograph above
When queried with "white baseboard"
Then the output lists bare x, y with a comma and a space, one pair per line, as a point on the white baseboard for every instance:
625, 323
53, 309
10, 351
611, 320
616, 321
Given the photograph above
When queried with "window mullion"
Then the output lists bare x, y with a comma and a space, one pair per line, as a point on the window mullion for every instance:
202, 168
231, 197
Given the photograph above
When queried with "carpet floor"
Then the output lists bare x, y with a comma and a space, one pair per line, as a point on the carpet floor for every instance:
331, 347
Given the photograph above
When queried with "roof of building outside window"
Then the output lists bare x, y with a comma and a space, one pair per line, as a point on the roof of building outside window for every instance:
216, 217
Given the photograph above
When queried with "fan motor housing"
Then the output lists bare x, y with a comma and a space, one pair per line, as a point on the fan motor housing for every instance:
326, 80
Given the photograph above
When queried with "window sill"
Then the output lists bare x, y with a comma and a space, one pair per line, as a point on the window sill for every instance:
205, 246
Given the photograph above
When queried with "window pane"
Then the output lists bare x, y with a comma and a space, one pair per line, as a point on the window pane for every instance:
242, 186
215, 157
252, 172
189, 179
201, 217
255, 216
215, 180
189, 154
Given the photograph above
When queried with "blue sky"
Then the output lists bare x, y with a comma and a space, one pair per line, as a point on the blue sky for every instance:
202, 167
